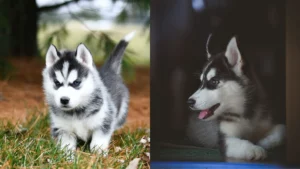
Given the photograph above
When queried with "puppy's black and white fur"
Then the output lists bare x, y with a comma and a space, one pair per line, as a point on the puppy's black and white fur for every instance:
85, 103
232, 98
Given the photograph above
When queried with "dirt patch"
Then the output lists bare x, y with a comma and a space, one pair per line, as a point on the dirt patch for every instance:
22, 94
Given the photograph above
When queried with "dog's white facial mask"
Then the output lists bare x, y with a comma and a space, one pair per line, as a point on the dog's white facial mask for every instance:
77, 95
207, 100
68, 82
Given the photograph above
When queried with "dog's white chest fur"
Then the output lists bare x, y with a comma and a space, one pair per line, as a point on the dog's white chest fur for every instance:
82, 128
236, 129
252, 130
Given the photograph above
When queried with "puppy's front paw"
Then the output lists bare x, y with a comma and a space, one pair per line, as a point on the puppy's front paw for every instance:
68, 153
100, 150
256, 153
243, 149
252, 152
100, 143
70, 156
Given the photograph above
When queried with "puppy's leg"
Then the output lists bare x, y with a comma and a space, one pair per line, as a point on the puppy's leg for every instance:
122, 113
243, 149
274, 138
100, 141
68, 143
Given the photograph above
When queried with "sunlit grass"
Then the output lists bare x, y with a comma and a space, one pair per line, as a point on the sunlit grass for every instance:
31, 146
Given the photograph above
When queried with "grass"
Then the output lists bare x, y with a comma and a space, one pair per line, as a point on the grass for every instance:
77, 33
30, 146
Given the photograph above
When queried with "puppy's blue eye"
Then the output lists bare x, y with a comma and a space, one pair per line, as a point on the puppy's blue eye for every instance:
57, 83
76, 83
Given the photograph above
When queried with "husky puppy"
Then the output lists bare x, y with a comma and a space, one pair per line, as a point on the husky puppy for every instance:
231, 97
85, 103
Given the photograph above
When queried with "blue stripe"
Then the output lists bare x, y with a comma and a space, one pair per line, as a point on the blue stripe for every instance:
210, 165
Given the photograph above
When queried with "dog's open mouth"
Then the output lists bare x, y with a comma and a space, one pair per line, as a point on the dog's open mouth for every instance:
204, 114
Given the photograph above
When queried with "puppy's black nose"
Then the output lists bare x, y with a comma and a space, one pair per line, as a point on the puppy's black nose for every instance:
64, 100
191, 102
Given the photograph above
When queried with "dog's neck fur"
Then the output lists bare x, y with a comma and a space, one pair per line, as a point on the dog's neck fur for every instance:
256, 96
256, 108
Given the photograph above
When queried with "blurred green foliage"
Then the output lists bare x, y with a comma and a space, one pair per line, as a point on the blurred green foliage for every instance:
57, 36
134, 11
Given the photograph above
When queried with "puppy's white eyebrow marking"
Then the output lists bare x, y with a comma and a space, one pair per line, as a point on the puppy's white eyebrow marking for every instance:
72, 76
65, 69
207, 66
201, 77
59, 76
212, 72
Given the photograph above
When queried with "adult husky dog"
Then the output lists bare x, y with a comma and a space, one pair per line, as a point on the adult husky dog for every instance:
85, 103
232, 102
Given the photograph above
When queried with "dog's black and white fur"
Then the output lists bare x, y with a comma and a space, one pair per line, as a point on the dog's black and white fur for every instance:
85, 103
231, 101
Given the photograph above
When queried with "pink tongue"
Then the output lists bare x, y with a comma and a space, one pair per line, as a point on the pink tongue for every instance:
203, 114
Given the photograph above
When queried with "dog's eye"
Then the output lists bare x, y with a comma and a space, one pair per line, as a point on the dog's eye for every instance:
76, 83
214, 81
57, 83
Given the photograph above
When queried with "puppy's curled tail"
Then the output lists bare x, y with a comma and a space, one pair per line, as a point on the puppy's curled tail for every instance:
114, 61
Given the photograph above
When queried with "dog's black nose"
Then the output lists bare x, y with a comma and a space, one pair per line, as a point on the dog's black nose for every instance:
64, 100
191, 102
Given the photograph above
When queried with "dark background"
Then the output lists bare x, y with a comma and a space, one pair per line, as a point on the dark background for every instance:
178, 38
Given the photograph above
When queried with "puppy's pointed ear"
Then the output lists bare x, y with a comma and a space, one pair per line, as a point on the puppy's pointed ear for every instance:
232, 52
234, 56
207, 44
51, 56
83, 55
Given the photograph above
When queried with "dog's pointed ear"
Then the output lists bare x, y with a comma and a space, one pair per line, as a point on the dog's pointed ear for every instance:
51, 56
233, 55
83, 55
207, 44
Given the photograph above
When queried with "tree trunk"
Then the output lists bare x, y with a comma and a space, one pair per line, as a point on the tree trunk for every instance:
23, 18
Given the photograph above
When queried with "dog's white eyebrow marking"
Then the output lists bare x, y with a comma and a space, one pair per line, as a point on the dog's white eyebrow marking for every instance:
204, 70
206, 67
59, 76
212, 72
65, 69
72, 76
